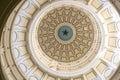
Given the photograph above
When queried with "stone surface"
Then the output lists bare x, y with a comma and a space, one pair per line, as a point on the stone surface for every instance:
15, 52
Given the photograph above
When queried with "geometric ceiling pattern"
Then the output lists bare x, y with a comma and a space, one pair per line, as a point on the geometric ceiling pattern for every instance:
61, 40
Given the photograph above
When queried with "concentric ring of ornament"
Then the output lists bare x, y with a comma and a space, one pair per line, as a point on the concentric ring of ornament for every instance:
59, 65
74, 48
19, 58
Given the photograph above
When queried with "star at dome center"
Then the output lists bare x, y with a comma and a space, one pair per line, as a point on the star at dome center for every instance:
65, 32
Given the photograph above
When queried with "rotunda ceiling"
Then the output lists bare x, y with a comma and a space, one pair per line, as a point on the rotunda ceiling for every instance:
65, 31
62, 39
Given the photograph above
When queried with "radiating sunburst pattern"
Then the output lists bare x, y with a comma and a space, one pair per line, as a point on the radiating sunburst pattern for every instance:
79, 43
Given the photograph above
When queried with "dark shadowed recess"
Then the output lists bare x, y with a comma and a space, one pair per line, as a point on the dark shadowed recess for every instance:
6, 7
